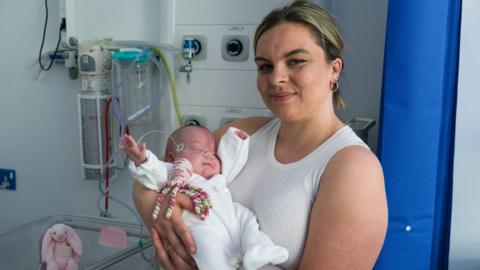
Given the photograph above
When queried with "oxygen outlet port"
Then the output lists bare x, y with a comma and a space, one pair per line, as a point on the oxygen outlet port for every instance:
192, 122
195, 120
234, 47
197, 47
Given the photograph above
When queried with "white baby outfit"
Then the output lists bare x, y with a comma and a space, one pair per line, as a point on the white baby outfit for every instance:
229, 238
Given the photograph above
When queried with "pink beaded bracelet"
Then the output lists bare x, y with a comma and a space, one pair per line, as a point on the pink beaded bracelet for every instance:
182, 171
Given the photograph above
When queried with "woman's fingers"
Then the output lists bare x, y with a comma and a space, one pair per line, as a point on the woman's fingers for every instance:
177, 245
176, 221
167, 230
180, 263
174, 253
162, 254
180, 227
185, 236
173, 237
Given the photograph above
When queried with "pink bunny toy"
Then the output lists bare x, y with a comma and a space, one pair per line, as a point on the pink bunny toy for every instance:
61, 248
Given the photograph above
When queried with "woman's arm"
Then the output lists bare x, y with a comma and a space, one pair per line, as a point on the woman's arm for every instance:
349, 217
144, 200
171, 237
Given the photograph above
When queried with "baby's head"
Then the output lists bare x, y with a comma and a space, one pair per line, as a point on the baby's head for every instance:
197, 144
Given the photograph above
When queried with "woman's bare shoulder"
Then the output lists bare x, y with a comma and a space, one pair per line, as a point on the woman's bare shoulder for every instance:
249, 125
350, 204
355, 157
356, 166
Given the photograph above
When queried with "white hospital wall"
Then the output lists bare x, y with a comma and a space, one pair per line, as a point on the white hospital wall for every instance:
362, 24
219, 90
39, 135
465, 225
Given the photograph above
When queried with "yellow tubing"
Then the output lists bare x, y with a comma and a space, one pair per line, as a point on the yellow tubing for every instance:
171, 83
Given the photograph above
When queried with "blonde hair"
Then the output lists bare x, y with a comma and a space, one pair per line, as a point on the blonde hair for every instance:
318, 20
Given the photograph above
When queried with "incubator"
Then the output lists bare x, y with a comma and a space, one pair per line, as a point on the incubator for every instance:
20, 246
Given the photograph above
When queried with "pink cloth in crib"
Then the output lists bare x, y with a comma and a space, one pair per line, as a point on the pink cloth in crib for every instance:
113, 237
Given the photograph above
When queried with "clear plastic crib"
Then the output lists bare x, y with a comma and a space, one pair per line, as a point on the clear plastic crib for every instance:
20, 246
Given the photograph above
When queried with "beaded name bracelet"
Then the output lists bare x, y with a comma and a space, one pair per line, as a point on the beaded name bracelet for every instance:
182, 171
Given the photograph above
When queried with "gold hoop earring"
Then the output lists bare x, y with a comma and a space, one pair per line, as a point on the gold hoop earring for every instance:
334, 86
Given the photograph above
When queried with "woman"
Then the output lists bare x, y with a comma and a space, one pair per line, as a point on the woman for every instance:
315, 188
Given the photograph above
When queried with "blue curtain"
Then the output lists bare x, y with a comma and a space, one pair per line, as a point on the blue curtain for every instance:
416, 133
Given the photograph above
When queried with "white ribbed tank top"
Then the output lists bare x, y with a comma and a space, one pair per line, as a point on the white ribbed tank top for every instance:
281, 195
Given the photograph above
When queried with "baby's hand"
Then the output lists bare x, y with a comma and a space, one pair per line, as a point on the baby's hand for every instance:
242, 134
137, 155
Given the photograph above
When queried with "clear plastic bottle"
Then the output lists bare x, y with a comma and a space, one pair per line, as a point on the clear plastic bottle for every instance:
136, 89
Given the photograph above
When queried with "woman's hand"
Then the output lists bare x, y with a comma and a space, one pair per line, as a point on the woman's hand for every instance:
172, 238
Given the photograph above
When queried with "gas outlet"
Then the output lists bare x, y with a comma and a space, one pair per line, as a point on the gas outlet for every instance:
199, 45
235, 47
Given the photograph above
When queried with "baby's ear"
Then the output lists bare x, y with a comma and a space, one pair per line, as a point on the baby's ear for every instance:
170, 157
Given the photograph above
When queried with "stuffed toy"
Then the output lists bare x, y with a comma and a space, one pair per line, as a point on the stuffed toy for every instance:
61, 248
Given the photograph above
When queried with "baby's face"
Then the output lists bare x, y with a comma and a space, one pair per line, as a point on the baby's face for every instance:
199, 149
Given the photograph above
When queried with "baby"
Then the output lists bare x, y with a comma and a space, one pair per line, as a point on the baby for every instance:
229, 228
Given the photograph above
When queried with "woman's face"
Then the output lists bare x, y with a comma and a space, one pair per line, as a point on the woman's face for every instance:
293, 74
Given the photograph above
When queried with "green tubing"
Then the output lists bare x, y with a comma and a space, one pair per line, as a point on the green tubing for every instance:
171, 82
